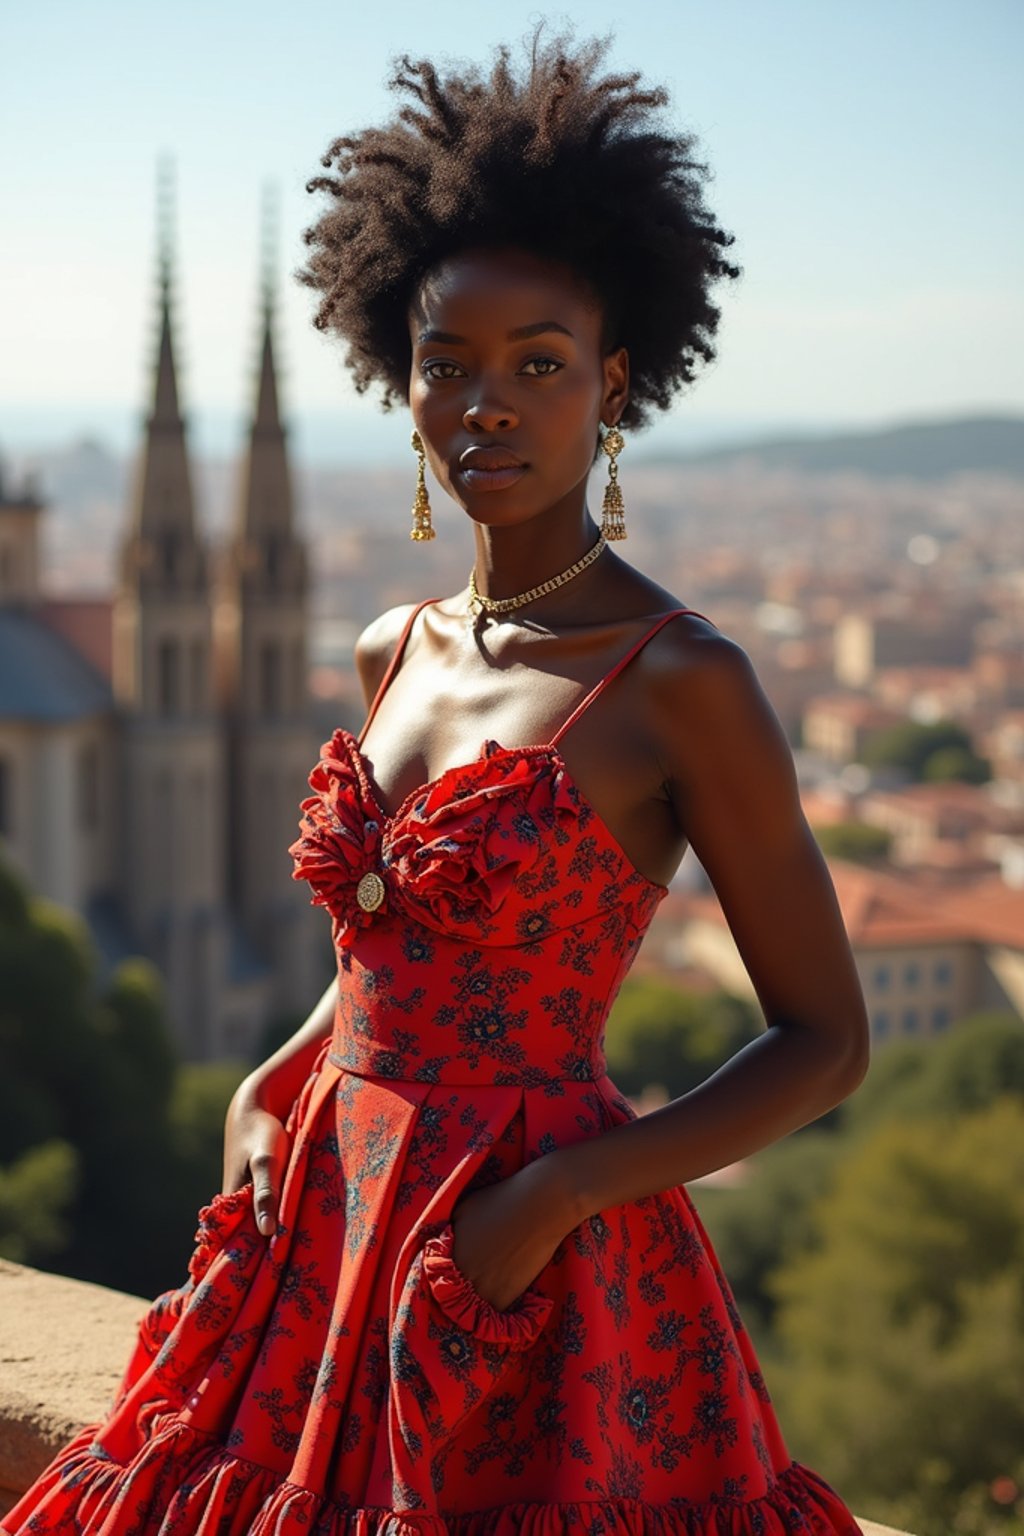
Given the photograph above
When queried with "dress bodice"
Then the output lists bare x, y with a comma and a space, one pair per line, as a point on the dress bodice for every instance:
495, 888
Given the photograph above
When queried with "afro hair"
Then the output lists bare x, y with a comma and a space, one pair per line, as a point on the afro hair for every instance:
566, 163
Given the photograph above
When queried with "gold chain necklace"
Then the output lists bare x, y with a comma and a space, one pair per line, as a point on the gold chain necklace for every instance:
478, 603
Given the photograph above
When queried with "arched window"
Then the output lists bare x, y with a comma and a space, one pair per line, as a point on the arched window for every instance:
88, 787
6, 797
197, 683
168, 678
270, 679
299, 683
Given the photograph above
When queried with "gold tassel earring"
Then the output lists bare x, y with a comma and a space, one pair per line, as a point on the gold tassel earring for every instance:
422, 527
613, 523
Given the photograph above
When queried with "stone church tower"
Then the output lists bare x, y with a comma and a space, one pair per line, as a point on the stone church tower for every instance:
261, 668
172, 863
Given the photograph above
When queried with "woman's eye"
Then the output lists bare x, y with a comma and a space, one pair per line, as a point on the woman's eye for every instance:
438, 364
435, 369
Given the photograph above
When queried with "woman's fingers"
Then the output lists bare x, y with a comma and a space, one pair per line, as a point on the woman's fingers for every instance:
266, 1191
262, 1143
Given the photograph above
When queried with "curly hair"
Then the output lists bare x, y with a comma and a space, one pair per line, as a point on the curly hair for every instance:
565, 163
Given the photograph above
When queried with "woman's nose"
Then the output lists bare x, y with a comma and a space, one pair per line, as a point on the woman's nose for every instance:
488, 417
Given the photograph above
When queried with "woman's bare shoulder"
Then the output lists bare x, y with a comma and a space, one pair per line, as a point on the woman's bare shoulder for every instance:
689, 642
692, 662
375, 645
700, 691
718, 733
688, 638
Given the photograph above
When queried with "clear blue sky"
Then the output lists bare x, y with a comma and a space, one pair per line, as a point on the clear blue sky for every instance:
867, 156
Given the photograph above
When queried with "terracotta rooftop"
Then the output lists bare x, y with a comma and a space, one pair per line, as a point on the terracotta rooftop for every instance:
992, 910
87, 623
826, 807
921, 676
965, 801
854, 707
884, 908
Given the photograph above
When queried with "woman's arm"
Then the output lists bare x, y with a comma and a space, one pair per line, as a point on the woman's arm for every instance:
256, 1142
733, 785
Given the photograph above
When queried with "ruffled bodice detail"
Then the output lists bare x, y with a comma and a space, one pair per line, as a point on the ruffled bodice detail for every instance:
496, 890
478, 852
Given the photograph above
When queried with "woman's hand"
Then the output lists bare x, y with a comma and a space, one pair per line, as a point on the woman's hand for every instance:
505, 1233
256, 1140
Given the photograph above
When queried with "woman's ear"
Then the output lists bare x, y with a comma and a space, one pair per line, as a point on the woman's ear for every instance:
616, 385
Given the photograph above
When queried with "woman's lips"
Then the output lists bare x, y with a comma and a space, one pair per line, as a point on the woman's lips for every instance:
492, 479
490, 469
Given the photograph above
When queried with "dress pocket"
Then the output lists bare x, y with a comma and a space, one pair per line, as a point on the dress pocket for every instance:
450, 1350
516, 1326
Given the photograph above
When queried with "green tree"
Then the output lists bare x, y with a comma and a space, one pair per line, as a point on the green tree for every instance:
46, 998
853, 840
35, 1193
904, 1329
959, 764
94, 1179
981, 1057
910, 744
767, 1220
658, 1033
135, 1032
197, 1114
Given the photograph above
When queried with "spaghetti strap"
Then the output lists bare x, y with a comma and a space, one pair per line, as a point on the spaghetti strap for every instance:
393, 665
624, 661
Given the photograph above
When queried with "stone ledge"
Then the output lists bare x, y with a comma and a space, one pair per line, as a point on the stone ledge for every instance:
64, 1345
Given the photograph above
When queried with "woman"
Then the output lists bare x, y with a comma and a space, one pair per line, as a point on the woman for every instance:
453, 1284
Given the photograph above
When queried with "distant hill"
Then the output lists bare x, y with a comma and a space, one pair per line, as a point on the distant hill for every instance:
88, 473
926, 450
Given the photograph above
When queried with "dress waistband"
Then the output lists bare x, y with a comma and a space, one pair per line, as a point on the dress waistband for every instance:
382, 1063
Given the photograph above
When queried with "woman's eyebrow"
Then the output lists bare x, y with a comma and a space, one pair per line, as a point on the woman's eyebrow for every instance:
521, 333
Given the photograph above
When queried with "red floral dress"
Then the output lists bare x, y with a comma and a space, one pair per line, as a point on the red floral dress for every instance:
343, 1378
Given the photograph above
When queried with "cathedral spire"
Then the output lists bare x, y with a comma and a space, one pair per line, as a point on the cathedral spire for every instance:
264, 511
262, 657
162, 546
166, 412
267, 418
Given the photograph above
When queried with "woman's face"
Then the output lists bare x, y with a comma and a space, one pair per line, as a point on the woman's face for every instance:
507, 371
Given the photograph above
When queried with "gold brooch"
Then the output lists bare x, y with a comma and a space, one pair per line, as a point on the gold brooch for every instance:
370, 891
